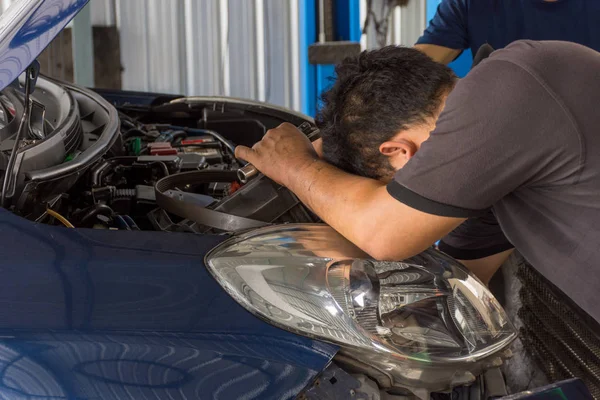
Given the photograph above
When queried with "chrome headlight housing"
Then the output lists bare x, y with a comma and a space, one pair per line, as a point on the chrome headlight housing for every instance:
426, 321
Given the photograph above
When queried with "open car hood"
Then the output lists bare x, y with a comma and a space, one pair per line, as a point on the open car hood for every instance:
26, 29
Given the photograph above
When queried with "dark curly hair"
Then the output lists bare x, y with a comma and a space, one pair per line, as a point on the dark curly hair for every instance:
375, 96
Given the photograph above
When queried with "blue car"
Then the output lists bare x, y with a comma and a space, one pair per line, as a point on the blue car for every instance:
137, 265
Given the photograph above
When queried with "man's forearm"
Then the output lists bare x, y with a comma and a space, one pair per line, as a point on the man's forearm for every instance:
340, 199
362, 211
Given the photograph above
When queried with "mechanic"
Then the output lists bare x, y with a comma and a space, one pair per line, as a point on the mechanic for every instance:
518, 135
463, 24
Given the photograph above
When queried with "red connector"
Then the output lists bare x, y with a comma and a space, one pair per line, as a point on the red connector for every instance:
161, 149
187, 142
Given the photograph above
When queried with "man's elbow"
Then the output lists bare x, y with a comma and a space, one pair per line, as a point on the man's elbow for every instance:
384, 255
382, 251
386, 243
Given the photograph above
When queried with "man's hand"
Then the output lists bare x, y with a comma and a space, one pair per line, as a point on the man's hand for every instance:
282, 154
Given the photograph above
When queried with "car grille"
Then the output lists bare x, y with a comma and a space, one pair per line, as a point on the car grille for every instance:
561, 338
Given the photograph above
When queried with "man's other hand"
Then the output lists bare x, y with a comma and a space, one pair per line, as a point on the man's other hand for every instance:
440, 54
281, 154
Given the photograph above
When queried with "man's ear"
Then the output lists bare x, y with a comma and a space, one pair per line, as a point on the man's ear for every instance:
398, 148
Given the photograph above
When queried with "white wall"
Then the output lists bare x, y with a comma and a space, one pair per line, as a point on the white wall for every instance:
241, 48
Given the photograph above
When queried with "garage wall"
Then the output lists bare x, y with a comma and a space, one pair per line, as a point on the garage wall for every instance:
408, 23
405, 24
242, 48
238, 48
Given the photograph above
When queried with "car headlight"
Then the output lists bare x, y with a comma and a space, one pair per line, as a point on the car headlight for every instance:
427, 310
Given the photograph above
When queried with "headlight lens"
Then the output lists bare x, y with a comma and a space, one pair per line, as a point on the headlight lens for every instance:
310, 280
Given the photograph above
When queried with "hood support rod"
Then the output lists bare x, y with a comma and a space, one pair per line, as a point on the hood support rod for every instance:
12, 170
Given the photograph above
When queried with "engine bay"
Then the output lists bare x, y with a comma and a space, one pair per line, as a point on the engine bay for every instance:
141, 162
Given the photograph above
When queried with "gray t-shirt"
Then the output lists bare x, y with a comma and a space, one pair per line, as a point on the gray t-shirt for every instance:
521, 135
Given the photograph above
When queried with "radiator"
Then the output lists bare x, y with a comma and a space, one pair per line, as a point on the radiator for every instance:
562, 339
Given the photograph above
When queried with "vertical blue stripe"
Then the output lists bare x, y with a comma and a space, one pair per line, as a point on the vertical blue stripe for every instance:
308, 74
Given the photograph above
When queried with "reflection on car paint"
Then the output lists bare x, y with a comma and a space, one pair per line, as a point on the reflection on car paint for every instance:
26, 28
145, 366
47, 18
103, 314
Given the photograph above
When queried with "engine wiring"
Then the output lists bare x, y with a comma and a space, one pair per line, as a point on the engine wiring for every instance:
121, 188
198, 131
60, 218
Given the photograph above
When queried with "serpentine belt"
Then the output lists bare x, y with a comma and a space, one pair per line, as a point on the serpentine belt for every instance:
173, 201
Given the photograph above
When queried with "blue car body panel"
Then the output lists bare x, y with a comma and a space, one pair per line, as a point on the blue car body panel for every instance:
98, 314
27, 28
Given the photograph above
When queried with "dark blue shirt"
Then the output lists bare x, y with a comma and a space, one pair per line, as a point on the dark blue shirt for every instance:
463, 24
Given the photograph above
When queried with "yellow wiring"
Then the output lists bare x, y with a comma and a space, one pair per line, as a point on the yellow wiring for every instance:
59, 217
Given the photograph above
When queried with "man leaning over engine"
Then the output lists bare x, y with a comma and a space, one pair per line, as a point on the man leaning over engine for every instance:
410, 153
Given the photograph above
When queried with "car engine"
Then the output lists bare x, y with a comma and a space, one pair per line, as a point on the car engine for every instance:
162, 163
